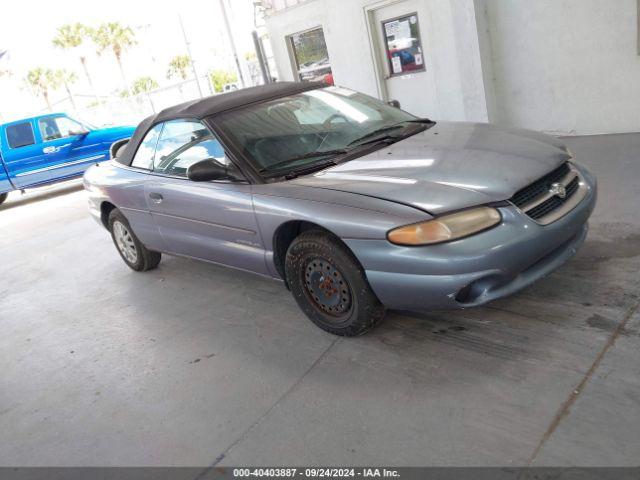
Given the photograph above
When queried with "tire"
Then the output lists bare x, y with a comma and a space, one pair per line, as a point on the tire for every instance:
330, 286
130, 248
3, 197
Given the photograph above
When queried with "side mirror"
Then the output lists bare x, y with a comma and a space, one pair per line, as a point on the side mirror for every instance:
208, 170
79, 133
394, 103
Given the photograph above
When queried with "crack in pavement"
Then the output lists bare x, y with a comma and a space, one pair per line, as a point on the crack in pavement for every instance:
264, 415
577, 390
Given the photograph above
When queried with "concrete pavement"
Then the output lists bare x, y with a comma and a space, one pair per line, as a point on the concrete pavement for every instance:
194, 364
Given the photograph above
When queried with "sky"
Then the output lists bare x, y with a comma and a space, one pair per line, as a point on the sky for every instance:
28, 28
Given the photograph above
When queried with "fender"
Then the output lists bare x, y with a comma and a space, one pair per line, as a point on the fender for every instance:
5, 174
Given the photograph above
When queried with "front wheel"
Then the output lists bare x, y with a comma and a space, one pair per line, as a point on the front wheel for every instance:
3, 197
130, 248
330, 286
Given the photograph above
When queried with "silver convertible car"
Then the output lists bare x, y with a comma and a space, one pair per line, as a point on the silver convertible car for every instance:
357, 206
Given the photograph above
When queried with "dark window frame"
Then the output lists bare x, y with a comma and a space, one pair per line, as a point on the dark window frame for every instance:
295, 63
388, 61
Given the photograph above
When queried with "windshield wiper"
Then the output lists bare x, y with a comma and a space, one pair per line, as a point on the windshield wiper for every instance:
363, 140
284, 163
375, 133
315, 167
420, 120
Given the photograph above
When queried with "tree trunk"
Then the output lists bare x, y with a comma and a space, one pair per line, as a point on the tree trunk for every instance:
124, 79
73, 103
83, 60
45, 94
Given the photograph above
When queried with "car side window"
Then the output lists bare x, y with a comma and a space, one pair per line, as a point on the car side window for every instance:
183, 143
20, 135
147, 149
53, 128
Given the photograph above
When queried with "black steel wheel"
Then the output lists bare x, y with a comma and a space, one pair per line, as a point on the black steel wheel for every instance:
327, 288
330, 285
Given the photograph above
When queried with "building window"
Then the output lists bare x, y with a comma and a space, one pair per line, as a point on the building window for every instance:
310, 56
403, 45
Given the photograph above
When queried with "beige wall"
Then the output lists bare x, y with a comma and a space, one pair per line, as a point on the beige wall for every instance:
569, 66
450, 40
565, 66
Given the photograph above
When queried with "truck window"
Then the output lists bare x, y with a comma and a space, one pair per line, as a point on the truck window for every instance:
53, 128
20, 135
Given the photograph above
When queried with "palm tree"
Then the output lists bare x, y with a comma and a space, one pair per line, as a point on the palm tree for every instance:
71, 36
41, 81
220, 78
178, 66
143, 85
66, 78
116, 37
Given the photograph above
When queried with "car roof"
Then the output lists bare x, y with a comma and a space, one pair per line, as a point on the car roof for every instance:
31, 119
206, 107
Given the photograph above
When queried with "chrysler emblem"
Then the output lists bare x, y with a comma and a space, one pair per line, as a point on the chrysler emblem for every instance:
558, 190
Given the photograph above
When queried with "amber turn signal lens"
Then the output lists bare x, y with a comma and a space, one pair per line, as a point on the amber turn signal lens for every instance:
446, 228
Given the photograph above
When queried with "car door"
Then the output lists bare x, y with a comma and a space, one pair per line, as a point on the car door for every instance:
24, 159
213, 221
69, 143
132, 200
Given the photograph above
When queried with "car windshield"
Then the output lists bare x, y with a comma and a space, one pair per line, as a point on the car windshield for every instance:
311, 127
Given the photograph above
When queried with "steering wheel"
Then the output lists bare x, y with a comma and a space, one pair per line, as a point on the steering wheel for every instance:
327, 123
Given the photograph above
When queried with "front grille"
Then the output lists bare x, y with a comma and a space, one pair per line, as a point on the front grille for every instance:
554, 202
539, 202
540, 187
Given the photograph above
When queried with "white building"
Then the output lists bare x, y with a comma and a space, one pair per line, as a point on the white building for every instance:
565, 66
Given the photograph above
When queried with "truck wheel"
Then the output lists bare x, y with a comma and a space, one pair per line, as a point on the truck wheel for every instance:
3, 197
130, 248
330, 286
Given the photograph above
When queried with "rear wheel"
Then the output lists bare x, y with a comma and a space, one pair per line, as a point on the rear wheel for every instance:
3, 197
130, 248
330, 285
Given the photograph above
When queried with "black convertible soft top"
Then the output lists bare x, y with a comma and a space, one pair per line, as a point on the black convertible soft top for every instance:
206, 107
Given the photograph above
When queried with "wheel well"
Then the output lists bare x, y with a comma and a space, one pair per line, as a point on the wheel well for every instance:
284, 235
116, 145
105, 210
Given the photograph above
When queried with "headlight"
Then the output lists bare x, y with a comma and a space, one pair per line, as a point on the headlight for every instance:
446, 228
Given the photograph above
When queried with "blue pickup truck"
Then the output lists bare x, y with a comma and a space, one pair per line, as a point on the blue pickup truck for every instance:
51, 148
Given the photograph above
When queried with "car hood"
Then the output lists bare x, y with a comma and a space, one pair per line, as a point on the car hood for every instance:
447, 167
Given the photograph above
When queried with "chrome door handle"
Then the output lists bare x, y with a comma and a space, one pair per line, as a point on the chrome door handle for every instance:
49, 150
156, 197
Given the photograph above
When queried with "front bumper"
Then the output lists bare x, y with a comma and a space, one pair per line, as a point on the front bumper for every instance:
477, 269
